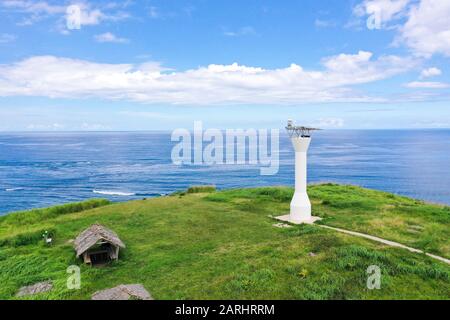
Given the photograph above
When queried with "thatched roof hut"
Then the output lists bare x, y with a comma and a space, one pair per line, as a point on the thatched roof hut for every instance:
98, 244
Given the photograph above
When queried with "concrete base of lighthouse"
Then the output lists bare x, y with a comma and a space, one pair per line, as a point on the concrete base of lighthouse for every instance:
288, 218
300, 210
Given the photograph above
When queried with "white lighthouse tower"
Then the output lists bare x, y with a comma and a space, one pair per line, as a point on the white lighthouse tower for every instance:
300, 204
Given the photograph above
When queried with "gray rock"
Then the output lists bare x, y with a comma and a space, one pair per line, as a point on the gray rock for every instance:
123, 292
36, 288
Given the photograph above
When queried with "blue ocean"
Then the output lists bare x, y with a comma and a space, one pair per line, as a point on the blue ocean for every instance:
44, 169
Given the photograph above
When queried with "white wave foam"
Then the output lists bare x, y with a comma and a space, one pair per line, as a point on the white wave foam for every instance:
13, 189
113, 193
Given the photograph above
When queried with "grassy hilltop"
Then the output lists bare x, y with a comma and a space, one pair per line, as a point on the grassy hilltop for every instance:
223, 245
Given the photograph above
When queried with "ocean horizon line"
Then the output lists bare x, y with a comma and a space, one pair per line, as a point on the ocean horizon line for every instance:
170, 130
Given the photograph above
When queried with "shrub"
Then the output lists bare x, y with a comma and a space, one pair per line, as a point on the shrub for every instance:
24, 239
201, 189
277, 194
38, 215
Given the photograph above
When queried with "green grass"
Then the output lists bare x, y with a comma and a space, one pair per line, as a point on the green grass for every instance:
21, 221
408, 221
222, 245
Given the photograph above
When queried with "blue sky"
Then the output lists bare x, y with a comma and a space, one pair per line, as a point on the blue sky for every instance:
152, 65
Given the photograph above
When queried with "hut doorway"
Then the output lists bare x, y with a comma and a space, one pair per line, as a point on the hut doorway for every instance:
99, 258
100, 254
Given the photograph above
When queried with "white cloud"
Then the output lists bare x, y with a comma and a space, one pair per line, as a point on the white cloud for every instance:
430, 72
244, 31
328, 123
6, 37
86, 15
91, 13
444, 123
110, 37
34, 7
423, 25
50, 127
93, 126
84, 126
32, 11
427, 85
427, 30
319, 23
51, 76
153, 12
384, 10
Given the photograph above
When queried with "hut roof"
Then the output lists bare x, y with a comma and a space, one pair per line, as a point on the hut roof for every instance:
92, 235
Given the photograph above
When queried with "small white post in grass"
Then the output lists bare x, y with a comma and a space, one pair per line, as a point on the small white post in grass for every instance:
300, 204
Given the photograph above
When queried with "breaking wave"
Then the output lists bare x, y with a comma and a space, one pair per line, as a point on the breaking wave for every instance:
114, 193
13, 189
